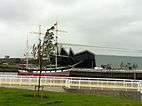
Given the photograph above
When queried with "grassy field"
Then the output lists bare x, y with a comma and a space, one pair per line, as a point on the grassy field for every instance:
16, 97
8, 68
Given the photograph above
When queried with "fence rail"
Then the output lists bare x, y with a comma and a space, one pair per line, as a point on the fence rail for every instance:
73, 82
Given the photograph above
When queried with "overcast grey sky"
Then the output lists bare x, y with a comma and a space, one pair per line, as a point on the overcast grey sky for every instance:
110, 23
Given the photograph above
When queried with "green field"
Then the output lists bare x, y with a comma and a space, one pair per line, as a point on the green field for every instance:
16, 97
8, 68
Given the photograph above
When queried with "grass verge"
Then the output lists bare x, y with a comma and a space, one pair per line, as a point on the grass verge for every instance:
16, 97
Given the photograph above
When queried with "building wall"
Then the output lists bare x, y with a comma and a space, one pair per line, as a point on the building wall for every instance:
115, 61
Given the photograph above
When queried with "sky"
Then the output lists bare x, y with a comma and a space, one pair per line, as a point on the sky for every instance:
105, 23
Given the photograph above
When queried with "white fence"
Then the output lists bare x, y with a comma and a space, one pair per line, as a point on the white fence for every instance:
73, 82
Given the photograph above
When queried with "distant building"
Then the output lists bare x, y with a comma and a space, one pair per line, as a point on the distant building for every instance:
87, 59
6, 57
119, 62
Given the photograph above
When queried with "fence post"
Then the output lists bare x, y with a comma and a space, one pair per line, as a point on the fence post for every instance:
90, 85
67, 83
50, 82
0, 80
124, 84
139, 86
36, 81
20, 81
79, 84
10, 80
138, 83
29, 81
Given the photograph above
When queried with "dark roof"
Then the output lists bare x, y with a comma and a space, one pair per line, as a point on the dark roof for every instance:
63, 52
84, 52
84, 59
71, 53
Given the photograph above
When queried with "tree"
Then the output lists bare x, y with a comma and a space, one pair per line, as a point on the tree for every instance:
108, 67
129, 66
44, 49
122, 65
134, 66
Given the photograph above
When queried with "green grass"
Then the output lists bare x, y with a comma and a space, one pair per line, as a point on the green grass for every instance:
8, 68
16, 97
11, 66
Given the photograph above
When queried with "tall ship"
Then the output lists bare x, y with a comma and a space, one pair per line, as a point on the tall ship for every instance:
46, 48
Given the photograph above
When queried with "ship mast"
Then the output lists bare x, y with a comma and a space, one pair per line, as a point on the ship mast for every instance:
40, 55
56, 53
27, 45
56, 42
27, 51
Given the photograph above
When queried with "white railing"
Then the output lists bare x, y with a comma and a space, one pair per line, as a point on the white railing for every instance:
73, 82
